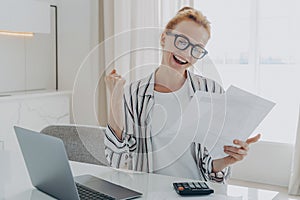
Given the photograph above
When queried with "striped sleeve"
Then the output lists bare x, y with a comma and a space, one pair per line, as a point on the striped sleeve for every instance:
219, 177
118, 152
205, 166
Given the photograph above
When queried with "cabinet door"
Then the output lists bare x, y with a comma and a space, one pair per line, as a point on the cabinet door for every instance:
28, 63
40, 59
12, 67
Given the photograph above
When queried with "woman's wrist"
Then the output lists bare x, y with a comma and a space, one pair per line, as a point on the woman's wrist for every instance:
116, 128
115, 119
219, 164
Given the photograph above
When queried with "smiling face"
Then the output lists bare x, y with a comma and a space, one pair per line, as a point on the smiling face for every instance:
182, 59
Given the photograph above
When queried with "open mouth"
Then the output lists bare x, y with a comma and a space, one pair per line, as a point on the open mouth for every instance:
179, 60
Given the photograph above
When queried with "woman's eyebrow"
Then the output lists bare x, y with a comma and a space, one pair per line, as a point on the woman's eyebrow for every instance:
200, 44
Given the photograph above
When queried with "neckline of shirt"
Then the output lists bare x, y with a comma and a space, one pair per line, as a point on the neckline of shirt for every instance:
179, 91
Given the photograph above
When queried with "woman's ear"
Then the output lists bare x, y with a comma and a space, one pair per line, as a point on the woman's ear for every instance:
163, 39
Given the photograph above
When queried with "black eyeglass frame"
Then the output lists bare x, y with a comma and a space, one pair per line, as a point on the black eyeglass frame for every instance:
205, 52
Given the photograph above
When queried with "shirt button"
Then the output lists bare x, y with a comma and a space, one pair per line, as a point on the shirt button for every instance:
126, 157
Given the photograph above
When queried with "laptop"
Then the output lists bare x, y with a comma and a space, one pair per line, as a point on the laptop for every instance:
49, 170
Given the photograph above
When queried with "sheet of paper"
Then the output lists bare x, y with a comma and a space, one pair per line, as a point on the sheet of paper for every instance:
215, 120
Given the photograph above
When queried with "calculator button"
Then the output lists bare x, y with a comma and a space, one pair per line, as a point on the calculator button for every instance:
203, 185
192, 185
180, 188
197, 185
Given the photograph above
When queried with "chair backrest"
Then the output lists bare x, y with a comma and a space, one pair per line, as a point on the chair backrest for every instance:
82, 143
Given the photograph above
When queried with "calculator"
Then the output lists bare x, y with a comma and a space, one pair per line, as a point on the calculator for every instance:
192, 188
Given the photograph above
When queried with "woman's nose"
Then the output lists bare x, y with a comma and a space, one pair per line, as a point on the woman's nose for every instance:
187, 53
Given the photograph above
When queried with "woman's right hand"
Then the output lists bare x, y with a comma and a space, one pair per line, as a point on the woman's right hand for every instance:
115, 84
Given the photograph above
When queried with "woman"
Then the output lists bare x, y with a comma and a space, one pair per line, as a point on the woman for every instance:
135, 128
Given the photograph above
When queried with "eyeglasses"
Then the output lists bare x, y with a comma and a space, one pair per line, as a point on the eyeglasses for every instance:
182, 42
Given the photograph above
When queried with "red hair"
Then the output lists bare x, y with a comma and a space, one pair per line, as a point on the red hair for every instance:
189, 13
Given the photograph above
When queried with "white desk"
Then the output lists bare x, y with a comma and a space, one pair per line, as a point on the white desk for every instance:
152, 186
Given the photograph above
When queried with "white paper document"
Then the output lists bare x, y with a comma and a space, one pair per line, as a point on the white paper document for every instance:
215, 120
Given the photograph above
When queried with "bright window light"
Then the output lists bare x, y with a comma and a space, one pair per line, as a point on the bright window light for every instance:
254, 45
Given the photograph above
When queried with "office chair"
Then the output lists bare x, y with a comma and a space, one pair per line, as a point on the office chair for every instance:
82, 143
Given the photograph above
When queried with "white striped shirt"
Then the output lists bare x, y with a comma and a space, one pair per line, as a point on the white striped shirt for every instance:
134, 150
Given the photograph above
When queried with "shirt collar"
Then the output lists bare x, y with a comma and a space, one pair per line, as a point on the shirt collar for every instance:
149, 82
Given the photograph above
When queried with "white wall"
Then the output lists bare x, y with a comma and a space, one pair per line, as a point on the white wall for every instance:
78, 34
267, 162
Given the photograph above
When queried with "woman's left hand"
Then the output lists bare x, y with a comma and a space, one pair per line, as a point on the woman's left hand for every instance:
236, 154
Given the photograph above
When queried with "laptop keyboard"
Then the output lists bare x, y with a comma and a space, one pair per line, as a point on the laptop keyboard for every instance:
86, 193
